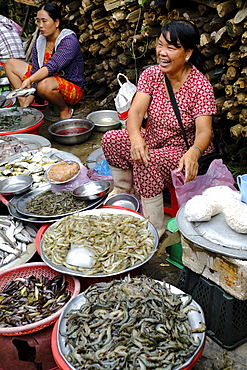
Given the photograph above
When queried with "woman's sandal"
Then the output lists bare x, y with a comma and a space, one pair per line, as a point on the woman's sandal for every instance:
64, 119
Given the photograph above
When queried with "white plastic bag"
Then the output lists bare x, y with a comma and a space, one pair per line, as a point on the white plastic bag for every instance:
124, 98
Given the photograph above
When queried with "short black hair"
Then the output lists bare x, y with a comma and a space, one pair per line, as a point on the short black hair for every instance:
186, 34
53, 10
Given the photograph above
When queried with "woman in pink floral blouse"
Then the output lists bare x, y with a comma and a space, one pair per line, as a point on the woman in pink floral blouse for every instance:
144, 159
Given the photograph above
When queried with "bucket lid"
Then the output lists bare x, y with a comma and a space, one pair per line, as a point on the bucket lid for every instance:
171, 225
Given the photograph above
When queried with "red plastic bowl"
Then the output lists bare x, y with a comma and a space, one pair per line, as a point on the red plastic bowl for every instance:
62, 365
37, 269
40, 107
29, 130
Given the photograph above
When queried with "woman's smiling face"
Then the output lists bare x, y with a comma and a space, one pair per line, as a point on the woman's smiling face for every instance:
171, 58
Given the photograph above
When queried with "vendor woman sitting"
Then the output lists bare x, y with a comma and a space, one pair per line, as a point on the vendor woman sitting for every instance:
145, 158
57, 69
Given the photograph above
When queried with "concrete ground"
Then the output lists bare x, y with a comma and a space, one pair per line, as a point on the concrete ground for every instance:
213, 357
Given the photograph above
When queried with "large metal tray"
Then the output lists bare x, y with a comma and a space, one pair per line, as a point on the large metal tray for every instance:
27, 197
33, 142
28, 117
66, 270
195, 317
12, 208
51, 155
213, 235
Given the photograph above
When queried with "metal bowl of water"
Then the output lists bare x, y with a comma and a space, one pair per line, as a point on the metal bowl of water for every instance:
71, 131
92, 190
104, 120
123, 200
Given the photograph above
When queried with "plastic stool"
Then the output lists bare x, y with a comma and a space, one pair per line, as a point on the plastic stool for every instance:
5, 88
172, 210
39, 106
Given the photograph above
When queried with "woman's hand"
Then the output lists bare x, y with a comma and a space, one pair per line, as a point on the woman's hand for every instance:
27, 83
189, 162
139, 151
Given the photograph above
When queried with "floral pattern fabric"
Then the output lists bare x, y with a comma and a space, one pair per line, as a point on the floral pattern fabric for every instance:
163, 134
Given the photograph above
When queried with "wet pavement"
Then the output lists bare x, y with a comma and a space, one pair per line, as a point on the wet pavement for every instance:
214, 356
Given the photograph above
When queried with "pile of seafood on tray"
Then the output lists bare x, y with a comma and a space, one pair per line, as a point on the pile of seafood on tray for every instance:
33, 163
98, 242
49, 204
10, 145
134, 323
31, 299
45, 201
17, 143
16, 241
16, 119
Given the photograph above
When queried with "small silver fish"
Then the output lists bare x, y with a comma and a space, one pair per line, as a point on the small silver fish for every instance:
20, 92
10, 257
7, 239
14, 239
23, 238
7, 248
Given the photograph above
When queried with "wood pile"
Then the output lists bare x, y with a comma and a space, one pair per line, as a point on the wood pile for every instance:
113, 39
121, 36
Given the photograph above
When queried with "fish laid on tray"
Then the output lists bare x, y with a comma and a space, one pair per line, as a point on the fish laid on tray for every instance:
132, 324
10, 145
48, 203
14, 238
33, 163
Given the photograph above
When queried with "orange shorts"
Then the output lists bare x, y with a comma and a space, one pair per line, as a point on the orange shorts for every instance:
71, 93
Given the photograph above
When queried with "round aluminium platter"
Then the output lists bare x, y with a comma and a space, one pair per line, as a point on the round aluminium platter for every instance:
213, 235
34, 163
98, 212
33, 141
8, 102
14, 119
25, 198
95, 157
17, 143
195, 317
12, 208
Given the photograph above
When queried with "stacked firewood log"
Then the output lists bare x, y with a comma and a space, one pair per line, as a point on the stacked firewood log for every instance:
121, 36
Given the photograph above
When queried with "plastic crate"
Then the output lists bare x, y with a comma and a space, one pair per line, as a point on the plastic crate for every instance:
225, 316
